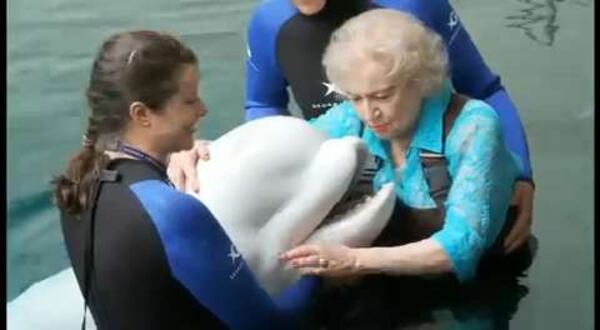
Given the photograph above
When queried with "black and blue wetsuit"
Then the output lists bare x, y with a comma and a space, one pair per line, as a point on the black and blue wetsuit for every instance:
162, 261
285, 49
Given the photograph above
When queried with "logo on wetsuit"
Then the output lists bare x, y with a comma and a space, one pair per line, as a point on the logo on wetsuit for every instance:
234, 255
452, 23
331, 89
453, 20
249, 53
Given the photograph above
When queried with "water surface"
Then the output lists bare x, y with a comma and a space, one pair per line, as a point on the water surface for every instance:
543, 50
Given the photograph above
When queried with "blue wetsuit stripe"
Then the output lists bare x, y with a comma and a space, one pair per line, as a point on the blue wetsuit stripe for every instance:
265, 84
512, 129
204, 260
470, 74
296, 299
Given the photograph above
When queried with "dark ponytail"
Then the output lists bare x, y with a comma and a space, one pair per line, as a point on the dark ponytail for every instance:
139, 66
74, 188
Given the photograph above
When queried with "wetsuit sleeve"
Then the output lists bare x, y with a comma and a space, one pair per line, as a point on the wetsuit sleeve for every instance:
296, 300
470, 74
266, 93
204, 260
483, 171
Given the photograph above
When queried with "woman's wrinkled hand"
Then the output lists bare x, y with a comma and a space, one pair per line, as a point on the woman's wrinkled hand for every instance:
335, 261
182, 166
519, 234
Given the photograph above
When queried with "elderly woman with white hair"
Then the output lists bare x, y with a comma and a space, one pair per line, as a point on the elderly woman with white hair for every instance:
446, 154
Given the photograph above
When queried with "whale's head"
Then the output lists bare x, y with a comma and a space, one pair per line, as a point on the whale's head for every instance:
277, 182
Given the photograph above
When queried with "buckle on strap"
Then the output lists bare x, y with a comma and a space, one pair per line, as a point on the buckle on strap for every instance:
435, 170
109, 176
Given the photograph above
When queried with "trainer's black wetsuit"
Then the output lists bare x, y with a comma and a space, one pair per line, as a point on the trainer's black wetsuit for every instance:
285, 49
162, 261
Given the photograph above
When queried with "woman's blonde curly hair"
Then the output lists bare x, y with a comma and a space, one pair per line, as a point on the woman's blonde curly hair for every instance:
409, 50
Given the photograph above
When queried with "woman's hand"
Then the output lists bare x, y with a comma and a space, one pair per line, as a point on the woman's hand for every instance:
323, 260
523, 198
182, 166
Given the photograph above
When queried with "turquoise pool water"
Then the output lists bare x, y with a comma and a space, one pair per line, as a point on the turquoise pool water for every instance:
543, 50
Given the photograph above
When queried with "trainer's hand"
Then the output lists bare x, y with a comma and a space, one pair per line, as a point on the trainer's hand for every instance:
523, 198
182, 166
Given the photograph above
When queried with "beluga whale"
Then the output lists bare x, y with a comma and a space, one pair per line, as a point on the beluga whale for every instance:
271, 183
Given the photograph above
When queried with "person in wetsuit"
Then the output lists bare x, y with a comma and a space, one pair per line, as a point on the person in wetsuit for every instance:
147, 256
285, 44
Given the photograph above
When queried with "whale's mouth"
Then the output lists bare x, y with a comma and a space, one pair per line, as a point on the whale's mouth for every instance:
360, 190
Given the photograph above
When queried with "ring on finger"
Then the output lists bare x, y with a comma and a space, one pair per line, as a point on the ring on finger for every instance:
323, 262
